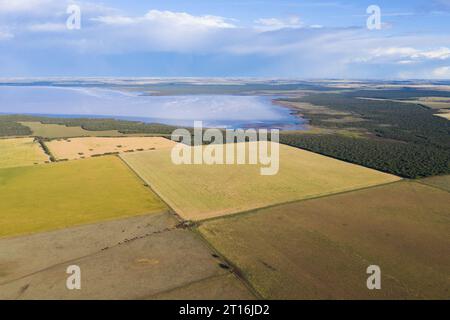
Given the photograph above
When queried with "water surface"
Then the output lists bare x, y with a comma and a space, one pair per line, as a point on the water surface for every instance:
227, 111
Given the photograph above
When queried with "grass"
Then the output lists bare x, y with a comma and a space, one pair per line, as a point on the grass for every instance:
198, 192
320, 248
59, 195
46, 130
20, 152
76, 148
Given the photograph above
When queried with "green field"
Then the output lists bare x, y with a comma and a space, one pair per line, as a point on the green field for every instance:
321, 248
20, 152
60, 195
47, 130
198, 192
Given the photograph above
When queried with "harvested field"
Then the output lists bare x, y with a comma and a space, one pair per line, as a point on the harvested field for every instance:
76, 148
145, 257
59, 195
55, 247
47, 130
321, 248
441, 182
198, 192
21, 152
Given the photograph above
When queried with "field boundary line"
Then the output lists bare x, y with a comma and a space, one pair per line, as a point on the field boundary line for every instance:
148, 185
234, 269
85, 224
45, 149
254, 211
430, 185
197, 234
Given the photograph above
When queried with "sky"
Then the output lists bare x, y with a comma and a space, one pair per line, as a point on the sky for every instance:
307, 39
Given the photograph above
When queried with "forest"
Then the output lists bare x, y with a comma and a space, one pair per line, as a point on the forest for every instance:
9, 125
402, 159
403, 139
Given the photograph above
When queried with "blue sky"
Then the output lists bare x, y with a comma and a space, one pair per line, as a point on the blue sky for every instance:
232, 38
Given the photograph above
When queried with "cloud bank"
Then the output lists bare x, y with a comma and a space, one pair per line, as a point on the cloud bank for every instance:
269, 46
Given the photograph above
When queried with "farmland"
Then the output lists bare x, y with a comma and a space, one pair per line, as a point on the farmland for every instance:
76, 148
143, 257
442, 182
320, 248
105, 194
59, 195
199, 192
50, 131
20, 152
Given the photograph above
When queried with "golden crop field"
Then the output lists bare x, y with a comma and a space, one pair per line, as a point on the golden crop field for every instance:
60, 195
47, 130
76, 148
199, 192
20, 152
321, 248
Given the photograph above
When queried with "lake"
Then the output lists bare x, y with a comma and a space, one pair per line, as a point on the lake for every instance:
225, 111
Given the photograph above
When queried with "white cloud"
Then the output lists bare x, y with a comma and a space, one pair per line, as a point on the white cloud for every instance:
169, 18
185, 19
441, 53
27, 9
17, 6
271, 24
115, 20
410, 54
287, 43
157, 31
442, 72
24, 18
406, 62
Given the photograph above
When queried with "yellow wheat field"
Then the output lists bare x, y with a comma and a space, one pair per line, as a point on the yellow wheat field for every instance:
20, 152
203, 191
